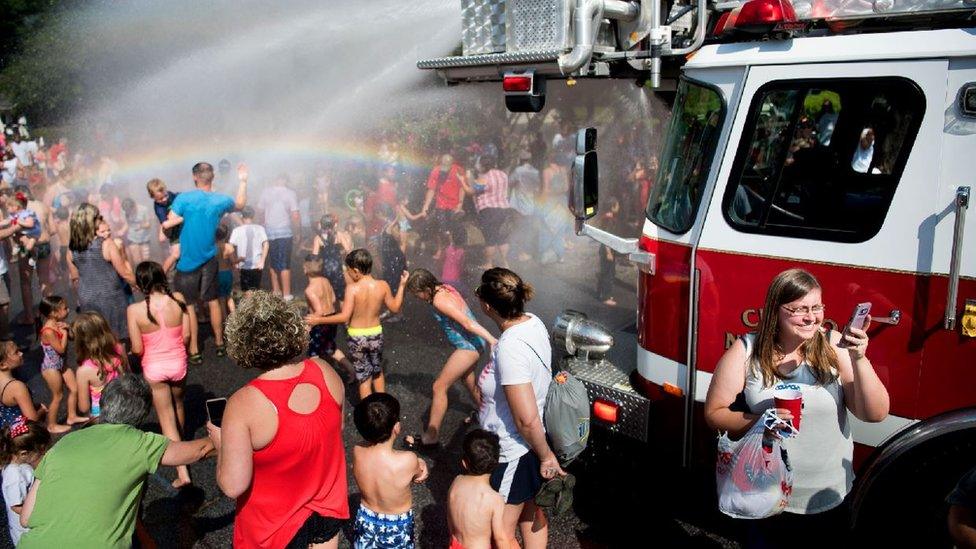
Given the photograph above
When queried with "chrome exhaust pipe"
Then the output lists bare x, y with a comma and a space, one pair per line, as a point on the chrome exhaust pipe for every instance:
586, 18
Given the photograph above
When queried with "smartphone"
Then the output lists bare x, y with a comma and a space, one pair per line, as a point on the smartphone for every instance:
215, 410
858, 318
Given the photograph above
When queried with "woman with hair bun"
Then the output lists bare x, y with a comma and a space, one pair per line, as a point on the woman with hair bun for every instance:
513, 388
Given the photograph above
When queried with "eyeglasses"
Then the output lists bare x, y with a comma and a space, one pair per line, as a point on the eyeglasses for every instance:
804, 311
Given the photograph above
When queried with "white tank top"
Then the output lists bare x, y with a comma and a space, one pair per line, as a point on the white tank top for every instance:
822, 453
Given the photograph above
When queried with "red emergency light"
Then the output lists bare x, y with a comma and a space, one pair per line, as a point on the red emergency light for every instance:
517, 83
606, 411
762, 16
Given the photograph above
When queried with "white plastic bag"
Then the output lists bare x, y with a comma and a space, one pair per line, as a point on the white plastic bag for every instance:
754, 482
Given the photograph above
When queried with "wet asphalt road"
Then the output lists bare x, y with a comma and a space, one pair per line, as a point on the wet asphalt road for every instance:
630, 503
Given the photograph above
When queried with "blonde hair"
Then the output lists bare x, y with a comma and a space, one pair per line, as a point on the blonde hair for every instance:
155, 184
788, 286
83, 224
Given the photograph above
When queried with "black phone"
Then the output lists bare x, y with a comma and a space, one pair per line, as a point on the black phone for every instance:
215, 410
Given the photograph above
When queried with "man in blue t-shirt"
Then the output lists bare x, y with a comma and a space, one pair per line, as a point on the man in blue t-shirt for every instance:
200, 211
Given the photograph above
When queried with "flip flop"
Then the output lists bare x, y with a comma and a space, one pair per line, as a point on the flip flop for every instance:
564, 499
220, 350
418, 444
195, 359
548, 495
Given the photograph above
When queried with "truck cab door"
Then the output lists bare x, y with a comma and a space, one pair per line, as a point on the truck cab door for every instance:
829, 169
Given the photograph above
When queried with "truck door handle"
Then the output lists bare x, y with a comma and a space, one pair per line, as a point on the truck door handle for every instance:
892, 319
961, 204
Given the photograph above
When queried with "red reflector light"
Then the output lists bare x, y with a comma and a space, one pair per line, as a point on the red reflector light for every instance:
763, 15
606, 411
517, 83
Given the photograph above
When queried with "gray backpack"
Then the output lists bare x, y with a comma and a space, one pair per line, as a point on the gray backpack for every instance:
566, 415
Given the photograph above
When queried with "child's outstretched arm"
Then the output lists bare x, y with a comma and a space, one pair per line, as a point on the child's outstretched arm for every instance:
395, 302
172, 220
342, 317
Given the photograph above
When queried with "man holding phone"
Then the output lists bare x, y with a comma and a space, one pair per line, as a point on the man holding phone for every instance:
83, 497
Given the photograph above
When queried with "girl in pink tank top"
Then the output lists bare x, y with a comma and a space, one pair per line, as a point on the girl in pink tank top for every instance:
159, 328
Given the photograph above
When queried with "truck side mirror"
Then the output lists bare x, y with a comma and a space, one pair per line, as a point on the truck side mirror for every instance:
584, 193
585, 140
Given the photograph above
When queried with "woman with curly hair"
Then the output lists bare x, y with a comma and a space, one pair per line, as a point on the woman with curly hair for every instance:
95, 265
284, 428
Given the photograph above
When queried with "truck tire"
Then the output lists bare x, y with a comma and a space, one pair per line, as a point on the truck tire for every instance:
906, 507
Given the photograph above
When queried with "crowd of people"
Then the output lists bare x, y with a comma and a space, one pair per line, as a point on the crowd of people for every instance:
128, 308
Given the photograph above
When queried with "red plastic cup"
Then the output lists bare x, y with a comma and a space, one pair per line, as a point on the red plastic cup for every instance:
792, 400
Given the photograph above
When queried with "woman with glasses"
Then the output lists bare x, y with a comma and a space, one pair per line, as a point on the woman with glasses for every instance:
792, 349
96, 266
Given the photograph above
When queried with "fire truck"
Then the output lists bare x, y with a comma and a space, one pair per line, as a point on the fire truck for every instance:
838, 136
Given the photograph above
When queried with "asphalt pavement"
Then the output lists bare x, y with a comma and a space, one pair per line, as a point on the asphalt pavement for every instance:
630, 502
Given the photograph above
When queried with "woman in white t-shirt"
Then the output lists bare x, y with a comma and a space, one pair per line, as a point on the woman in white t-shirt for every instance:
513, 388
791, 350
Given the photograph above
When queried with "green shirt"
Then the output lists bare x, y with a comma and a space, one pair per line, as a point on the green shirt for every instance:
91, 483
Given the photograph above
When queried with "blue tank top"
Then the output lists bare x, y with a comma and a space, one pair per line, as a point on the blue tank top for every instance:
8, 414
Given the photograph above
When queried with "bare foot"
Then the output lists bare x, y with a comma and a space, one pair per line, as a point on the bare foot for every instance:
79, 419
181, 482
611, 302
58, 428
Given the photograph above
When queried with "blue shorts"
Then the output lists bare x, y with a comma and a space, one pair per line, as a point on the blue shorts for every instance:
376, 530
321, 340
518, 481
279, 253
225, 283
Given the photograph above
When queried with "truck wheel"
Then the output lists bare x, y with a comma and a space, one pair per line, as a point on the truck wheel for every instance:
907, 505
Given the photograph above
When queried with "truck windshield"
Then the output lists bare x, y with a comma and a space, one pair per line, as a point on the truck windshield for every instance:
686, 157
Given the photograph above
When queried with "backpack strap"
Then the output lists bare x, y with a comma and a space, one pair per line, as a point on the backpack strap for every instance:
536, 353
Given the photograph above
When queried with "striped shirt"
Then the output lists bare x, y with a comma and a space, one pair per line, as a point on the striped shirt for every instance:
495, 194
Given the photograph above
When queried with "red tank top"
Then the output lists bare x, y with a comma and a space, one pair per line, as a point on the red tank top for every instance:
301, 471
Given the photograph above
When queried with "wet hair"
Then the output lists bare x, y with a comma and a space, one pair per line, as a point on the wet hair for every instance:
247, 212
313, 266
422, 280
150, 278
36, 439
504, 291
204, 172
788, 286
84, 222
4, 347
155, 184
265, 332
51, 303
222, 232
480, 451
129, 207
375, 416
361, 260
126, 400
327, 228
95, 341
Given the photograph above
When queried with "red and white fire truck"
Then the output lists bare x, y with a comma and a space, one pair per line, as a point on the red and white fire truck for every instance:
834, 135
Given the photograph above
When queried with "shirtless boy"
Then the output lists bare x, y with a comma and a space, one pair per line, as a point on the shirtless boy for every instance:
474, 508
361, 307
321, 300
384, 476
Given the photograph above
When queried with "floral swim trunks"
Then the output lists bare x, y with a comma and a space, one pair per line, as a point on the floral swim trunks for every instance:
366, 351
